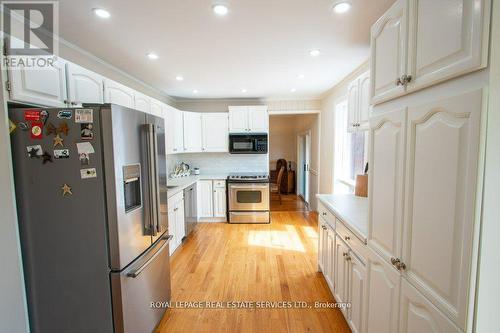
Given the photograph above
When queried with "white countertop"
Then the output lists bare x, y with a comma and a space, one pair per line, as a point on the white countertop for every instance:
350, 209
183, 182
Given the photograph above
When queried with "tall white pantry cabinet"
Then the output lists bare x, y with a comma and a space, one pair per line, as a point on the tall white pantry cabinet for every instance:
425, 154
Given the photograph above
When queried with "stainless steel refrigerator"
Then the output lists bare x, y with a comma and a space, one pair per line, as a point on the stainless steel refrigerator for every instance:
93, 217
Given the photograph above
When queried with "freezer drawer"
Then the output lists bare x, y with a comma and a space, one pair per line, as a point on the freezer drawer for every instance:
249, 217
134, 289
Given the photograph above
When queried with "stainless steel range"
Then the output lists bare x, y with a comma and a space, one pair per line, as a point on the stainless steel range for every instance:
248, 195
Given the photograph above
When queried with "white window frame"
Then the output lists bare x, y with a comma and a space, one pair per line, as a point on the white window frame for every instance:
339, 153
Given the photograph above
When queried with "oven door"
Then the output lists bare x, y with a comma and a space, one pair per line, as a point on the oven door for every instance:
248, 197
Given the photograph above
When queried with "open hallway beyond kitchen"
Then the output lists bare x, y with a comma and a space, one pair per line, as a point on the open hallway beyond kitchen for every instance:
255, 263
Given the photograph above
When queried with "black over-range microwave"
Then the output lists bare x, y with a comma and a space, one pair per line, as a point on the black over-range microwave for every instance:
248, 143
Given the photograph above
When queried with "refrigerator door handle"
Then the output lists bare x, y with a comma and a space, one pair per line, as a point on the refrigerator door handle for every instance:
152, 179
156, 179
135, 273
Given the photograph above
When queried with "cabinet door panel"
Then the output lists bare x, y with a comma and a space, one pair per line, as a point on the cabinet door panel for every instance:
192, 132
238, 119
388, 52
155, 108
357, 293
118, 94
219, 202
387, 147
458, 25
419, 315
443, 143
178, 123
330, 256
180, 221
205, 198
258, 119
364, 101
46, 87
84, 86
321, 245
352, 105
142, 102
383, 296
215, 132
172, 229
341, 276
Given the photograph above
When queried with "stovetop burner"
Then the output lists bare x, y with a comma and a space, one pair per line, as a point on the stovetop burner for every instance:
249, 177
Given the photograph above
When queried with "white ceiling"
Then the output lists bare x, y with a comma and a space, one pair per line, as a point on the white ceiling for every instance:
261, 45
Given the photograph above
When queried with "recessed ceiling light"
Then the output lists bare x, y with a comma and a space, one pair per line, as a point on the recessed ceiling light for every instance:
315, 53
179, 78
220, 10
243, 90
152, 56
102, 13
301, 76
341, 7
195, 91
293, 90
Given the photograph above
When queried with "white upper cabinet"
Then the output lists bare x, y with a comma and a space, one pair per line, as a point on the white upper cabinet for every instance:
174, 130
46, 87
142, 102
364, 101
238, 119
358, 103
352, 105
215, 129
258, 119
388, 52
442, 155
84, 86
156, 108
418, 43
385, 222
419, 315
446, 40
117, 93
383, 296
192, 132
248, 119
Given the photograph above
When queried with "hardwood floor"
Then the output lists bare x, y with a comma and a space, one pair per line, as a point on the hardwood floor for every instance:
276, 262
289, 202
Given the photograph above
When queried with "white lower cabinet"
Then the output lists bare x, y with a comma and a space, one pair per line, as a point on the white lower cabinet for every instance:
341, 272
417, 314
211, 198
356, 292
176, 223
383, 295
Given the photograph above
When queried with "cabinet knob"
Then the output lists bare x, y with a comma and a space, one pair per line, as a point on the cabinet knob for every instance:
323, 227
347, 238
395, 261
324, 213
399, 82
344, 254
401, 266
348, 258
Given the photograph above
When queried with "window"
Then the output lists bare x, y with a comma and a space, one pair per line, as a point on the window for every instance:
349, 152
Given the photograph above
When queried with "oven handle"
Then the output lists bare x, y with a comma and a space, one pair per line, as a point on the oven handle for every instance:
251, 187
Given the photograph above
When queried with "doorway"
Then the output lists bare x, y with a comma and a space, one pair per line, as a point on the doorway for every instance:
304, 160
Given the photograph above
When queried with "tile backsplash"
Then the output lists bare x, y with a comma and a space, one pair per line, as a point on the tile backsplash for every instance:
215, 163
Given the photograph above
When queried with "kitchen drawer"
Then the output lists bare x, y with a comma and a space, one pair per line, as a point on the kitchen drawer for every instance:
175, 198
249, 217
351, 240
219, 183
326, 215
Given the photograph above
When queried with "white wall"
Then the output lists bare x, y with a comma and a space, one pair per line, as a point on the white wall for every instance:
488, 293
330, 98
282, 140
221, 105
13, 312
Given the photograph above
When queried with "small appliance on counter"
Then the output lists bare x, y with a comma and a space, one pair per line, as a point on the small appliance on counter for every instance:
181, 170
196, 171
248, 197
